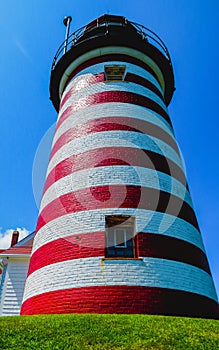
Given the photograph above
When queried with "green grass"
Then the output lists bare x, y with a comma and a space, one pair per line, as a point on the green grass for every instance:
101, 332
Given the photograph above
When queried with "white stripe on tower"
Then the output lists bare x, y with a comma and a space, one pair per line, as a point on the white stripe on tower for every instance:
114, 139
114, 86
149, 272
115, 175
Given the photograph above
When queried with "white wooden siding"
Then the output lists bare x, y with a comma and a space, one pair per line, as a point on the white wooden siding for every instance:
13, 289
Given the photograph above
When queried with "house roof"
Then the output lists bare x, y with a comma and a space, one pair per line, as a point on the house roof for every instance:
22, 249
16, 251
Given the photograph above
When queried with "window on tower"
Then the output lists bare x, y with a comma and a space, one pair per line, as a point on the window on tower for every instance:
120, 242
115, 72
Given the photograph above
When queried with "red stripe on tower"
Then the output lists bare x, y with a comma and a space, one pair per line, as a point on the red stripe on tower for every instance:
148, 300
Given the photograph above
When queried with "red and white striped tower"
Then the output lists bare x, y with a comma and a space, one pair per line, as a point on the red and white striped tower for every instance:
116, 232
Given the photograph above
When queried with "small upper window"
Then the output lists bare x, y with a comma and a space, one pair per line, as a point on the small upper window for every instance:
115, 72
120, 236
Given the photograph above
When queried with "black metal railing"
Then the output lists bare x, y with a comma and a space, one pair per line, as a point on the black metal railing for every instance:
77, 37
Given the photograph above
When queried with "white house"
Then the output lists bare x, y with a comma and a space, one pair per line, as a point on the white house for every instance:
14, 263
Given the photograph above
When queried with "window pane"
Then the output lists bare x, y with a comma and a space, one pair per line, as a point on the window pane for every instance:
120, 237
110, 242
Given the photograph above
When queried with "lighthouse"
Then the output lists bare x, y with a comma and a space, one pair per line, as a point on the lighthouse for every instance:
117, 231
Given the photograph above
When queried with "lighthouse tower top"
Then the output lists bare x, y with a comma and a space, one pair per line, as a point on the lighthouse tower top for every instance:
118, 34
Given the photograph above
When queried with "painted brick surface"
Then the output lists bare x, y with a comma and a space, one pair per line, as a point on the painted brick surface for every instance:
121, 300
117, 139
111, 110
113, 174
93, 245
113, 123
114, 156
148, 272
92, 74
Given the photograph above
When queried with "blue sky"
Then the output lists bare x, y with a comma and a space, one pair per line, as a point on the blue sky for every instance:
30, 34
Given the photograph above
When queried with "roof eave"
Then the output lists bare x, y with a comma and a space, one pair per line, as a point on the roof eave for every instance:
15, 255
